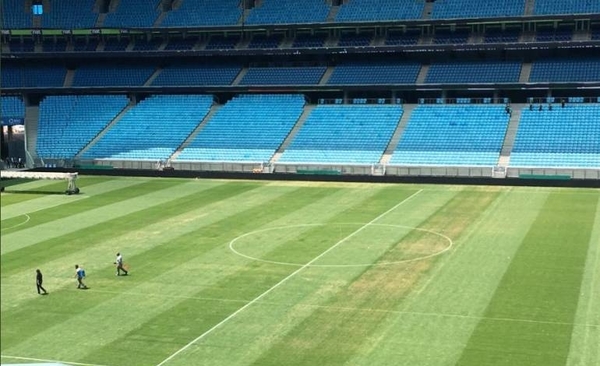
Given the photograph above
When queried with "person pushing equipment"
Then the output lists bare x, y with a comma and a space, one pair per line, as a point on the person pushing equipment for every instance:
119, 263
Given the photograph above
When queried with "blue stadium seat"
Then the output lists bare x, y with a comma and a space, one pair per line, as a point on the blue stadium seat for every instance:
193, 74
355, 40
247, 128
63, 15
222, 43
112, 75
289, 12
133, 13
309, 40
364, 10
68, 123
375, 73
198, 13
116, 45
501, 36
460, 134
352, 134
153, 129
81, 44
561, 137
444, 9
394, 38
474, 72
12, 107
565, 70
447, 37
262, 41
545, 7
16, 16
297, 75
37, 76
181, 44
24, 45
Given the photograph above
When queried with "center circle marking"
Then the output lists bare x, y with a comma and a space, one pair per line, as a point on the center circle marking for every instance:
250, 233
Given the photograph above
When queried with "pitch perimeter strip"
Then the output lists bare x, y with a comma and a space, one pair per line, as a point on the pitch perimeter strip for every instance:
53, 361
232, 315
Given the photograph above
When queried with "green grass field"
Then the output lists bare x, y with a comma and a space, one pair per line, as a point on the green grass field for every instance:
289, 273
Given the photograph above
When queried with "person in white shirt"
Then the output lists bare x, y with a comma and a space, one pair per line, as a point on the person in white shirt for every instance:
119, 263
80, 275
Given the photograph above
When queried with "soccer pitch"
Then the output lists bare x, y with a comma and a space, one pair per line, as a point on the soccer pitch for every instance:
296, 273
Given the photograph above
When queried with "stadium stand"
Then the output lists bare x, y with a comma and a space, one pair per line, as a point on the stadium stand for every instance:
451, 9
12, 107
147, 44
15, 16
204, 13
263, 41
21, 45
50, 45
545, 7
116, 45
364, 10
81, 44
459, 134
561, 137
501, 36
474, 72
550, 35
448, 37
222, 43
63, 15
293, 75
355, 40
289, 11
67, 123
394, 38
194, 74
181, 44
112, 75
355, 134
565, 70
309, 40
29, 76
375, 73
247, 128
133, 13
153, 129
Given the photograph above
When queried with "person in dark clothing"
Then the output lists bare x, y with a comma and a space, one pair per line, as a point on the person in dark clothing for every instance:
38, 282
80, 275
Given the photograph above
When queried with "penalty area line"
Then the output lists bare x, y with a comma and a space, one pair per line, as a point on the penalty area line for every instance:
256, 299
54, 361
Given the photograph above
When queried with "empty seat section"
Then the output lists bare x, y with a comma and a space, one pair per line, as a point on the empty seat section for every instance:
15, 15
63, 14
355, 40
394, 38
247, 128
561, 137
544, 7
448, 37
375, 73
143, 44
355, 134
501, 36
474, 72
308, 40
443, 9
301, 75
189, 75
263, 41
68, 123
112, 75
222, 43
357, 10
288, 12
181, 44
153, 129
115, 45
18, 45
12, 107
133, 13
32, 76
453, 135
203, 13
565, 70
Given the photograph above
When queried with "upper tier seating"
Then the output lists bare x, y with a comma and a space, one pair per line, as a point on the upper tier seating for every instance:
375, 73
565, 70
449, 9
15, 16
64, 15
355, 134
68, 123
561, 137
153, 129
296, 75
365, 10
194, 13
289, 11
37, 76
460, 134
474, 72
133, 13
189, 75
112, 75
12, 107
544, 7
247, 128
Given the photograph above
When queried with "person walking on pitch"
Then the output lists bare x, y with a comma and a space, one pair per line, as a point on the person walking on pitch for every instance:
38, 282
80, 275
119, 263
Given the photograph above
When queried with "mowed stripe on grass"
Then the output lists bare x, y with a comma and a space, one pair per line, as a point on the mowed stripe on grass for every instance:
542, 284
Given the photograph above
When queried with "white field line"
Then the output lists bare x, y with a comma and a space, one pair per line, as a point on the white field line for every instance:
17, 225
232, 315
350, 308
54, 361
